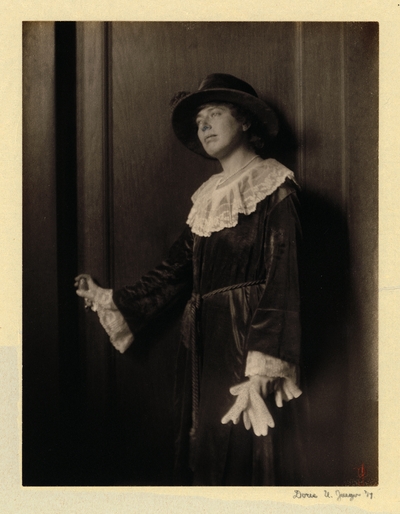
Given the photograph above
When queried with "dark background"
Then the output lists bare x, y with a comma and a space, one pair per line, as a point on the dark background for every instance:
107, 189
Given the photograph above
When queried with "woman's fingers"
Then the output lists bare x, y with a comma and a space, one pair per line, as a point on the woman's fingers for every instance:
84, 276
85, 281
86, 288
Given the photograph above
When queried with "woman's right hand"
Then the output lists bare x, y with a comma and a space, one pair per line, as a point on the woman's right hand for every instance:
86, 288
100, 300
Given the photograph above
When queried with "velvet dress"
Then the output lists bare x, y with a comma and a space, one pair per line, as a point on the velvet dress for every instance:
241, 281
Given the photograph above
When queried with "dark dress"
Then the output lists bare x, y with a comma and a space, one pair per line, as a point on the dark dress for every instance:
262, 317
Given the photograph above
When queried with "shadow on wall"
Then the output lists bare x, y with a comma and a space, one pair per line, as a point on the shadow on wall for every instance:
325, 290
314, 426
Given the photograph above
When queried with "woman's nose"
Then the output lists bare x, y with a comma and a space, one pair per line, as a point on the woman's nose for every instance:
205, 127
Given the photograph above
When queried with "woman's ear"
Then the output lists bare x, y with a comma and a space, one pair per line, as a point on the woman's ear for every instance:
246, 126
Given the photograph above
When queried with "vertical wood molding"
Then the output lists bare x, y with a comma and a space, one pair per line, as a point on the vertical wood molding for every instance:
90, 149
108, 154
344, 101
95, 149
94, 229
300, 103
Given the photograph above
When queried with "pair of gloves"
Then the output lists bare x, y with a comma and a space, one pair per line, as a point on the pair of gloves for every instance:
250, 401
250, 394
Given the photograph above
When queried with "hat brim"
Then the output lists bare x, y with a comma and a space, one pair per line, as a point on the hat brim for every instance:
183, 115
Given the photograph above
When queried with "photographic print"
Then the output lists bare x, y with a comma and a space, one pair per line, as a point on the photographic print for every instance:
212, 190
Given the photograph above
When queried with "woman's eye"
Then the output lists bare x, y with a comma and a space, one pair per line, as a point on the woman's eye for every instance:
215, 113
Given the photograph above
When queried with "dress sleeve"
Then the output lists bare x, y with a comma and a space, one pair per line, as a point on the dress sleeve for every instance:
112, 320
160, 288
275, 326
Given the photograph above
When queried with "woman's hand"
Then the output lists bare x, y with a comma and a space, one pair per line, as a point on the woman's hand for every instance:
262, 384
101, 301
87, 289
285, 390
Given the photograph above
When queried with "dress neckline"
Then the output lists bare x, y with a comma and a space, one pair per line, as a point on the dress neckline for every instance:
215, 208
236, 175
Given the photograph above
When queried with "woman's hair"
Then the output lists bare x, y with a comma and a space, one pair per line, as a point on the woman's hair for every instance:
255, 135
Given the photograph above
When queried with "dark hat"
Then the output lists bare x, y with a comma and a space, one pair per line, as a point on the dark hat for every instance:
219, 87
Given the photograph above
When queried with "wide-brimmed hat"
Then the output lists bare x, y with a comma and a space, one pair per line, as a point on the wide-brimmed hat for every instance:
219, 87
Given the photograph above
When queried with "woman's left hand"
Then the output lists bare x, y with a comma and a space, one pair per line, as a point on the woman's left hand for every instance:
285, 390
262, 384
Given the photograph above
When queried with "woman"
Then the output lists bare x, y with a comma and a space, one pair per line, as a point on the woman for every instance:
237, 260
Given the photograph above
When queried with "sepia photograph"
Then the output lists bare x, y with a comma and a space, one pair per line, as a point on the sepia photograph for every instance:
200, 253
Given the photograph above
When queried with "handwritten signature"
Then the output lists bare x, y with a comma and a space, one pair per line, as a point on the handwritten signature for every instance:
338, 495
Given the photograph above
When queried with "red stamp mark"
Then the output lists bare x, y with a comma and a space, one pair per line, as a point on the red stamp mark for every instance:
361, 473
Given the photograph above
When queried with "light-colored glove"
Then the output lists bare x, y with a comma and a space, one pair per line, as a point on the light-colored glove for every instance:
284, 375
250, 402
285, 389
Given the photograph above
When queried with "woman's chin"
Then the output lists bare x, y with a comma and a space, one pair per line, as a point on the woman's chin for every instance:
211, 153
215, 153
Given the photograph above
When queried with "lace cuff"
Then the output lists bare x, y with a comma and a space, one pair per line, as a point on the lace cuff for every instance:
112, 320
282, 373
261, 364
103, 299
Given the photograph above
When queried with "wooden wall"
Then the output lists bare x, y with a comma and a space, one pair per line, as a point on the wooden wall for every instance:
131, 187
40, 311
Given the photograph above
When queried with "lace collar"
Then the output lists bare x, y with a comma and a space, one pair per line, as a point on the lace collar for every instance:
217, 205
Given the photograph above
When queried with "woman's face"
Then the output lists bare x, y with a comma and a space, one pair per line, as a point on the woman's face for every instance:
219, 132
